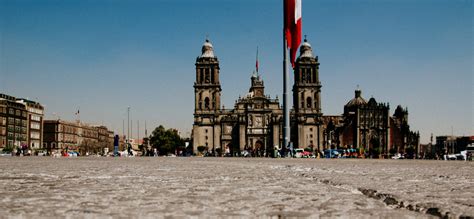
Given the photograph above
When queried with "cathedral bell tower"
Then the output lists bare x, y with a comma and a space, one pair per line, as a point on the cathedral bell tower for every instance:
307, 99
207, 100
207, 88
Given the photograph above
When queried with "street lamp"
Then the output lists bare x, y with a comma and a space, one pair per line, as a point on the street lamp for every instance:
330, 149
128, 124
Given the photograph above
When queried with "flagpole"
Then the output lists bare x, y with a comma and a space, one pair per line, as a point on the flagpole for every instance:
286, 110
128, 125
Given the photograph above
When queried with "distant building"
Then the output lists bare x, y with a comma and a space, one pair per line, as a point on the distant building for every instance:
105, 138
427, 151
449, 144
35, 123
21, 123
61, 135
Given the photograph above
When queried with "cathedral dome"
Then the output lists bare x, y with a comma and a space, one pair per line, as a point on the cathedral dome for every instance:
357, 100
207, 50
306, 50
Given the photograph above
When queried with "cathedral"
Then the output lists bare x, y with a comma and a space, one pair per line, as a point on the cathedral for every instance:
255, 124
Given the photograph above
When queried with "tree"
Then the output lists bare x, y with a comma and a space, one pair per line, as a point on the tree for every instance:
165, 140
8, 149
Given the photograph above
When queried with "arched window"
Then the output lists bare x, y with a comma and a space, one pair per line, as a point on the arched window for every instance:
214, 102
212, 75
200, 101
302, 100
201, 75
309, 75
316, 100
299, 72
206, 76
303, 74
206, 103
313, 72
308, 102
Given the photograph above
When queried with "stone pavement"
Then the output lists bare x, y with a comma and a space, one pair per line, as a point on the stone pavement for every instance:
32, 187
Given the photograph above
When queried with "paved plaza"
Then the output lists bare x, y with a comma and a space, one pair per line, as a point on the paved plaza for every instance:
32, 187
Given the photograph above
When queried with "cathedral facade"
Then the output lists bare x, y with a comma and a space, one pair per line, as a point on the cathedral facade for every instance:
255, 123
368, 126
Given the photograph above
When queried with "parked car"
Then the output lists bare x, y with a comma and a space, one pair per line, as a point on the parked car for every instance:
299, 152
5, 154
398, 156
450, 157
353, 153
41, 153
73, 154
331, 153
307, 154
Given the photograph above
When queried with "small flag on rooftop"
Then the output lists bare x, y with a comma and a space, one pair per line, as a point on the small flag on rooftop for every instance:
256, 63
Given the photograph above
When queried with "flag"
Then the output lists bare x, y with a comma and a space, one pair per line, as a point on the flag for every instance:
292, 26
256, 63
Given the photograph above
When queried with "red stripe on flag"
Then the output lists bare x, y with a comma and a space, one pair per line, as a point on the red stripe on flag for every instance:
256, 65
256, 61
292, 28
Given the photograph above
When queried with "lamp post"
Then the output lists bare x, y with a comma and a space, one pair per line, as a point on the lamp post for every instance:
330, 149
265, 154
128, 125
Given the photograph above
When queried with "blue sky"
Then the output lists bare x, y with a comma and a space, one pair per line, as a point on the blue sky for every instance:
102, 56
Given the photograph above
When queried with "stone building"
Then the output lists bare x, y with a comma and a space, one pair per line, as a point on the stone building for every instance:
369, 126
13, 123
3, 123
35, 123
255, 122
306, 117
61, 135
450, 144
105, 137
